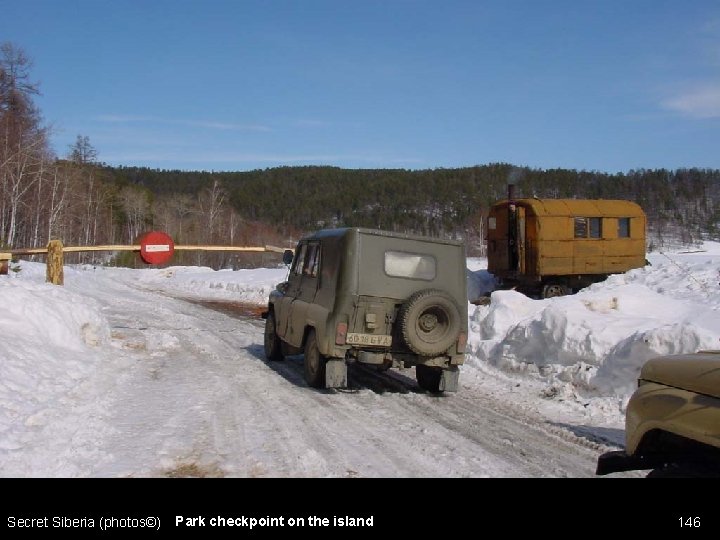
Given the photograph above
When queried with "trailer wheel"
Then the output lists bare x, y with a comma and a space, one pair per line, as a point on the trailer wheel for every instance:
551, 290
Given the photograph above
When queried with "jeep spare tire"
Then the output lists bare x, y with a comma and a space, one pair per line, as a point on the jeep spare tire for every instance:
430, 322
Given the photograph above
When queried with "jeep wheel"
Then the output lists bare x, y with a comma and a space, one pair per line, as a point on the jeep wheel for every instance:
430, 322
314, 363
273, 344
428, 378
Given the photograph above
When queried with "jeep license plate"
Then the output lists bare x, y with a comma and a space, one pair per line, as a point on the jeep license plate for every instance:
369, 339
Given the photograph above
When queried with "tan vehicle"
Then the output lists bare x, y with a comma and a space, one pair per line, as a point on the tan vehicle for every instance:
374, 297
551, 247
672, 421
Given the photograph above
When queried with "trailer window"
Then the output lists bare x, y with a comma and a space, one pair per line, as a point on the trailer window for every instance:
409, 265
580, 227
624, 227
588, 227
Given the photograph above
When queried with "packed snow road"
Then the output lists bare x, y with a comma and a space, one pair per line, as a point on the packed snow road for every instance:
184, 390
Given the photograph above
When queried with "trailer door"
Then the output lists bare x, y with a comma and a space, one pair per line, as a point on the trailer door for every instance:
520, 235
531, 245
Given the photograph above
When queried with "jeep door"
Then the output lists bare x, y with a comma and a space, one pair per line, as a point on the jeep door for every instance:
282, 307
302, 292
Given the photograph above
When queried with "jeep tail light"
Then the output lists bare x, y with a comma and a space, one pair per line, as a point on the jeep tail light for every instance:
461, 342
341, 333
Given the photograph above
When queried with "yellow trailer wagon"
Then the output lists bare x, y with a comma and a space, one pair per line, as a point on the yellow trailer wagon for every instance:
550, 247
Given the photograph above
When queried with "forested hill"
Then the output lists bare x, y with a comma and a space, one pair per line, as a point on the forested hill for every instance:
682, 205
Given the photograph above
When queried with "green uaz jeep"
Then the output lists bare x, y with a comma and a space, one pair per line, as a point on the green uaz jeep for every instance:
672, 423
375, 297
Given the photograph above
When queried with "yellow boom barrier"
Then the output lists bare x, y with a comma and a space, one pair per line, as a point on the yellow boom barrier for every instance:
55, 250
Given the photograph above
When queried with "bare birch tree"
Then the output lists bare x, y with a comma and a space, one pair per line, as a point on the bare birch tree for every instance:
23, 145
211, 202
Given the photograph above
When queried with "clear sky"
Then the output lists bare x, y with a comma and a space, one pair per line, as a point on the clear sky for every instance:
607, 85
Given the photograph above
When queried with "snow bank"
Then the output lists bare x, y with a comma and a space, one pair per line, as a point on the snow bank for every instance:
597, 340
47, 336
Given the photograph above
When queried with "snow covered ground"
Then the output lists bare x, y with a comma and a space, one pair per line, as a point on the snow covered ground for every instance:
127, 373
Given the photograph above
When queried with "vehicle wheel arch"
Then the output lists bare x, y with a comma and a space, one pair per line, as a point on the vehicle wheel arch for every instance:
306, 332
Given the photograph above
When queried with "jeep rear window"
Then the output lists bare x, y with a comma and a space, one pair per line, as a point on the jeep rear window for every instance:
409, 265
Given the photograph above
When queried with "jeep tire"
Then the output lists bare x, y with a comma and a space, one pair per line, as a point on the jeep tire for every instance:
430, 322
314, 362
273, 344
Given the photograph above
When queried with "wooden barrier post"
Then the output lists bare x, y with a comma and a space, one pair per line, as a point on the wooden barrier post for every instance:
4, 263
54, 273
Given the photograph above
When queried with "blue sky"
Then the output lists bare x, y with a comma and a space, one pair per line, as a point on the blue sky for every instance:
239, 85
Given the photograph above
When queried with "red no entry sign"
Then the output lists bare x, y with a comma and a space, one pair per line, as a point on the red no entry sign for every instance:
156, 247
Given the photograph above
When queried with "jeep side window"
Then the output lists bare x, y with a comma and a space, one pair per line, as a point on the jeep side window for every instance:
299, 260
312, 262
